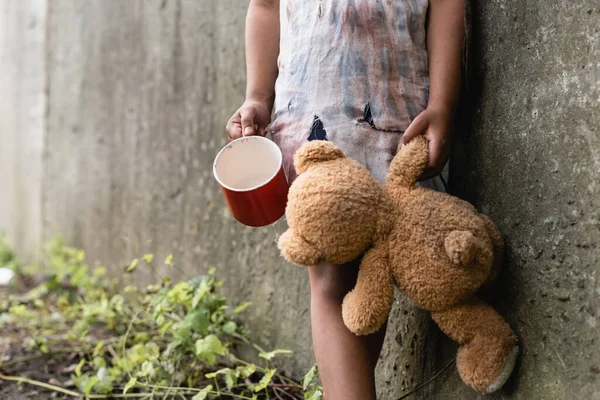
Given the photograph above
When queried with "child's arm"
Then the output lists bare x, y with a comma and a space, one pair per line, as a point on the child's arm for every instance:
262, 50
445, 36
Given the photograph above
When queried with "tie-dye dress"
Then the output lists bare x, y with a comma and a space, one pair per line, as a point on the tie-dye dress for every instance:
353, 72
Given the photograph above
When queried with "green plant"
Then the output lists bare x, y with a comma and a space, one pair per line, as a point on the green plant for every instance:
171, 340
8, 259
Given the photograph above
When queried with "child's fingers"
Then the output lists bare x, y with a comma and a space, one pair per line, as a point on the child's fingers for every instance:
416, 128
436, 148
248, 127
437, 158
234, 127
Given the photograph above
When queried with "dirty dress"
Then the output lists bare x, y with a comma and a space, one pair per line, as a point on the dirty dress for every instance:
354, 72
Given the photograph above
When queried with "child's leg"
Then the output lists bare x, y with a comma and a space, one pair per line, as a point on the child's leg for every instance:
346, 362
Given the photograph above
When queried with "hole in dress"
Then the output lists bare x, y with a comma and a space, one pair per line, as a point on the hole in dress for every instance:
317, 131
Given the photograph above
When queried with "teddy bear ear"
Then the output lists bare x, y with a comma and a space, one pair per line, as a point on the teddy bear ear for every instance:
315, 152
297, 250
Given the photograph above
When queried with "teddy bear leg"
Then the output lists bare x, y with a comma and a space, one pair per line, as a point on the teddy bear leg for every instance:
498, 243
487, 345
366, 308
462, 247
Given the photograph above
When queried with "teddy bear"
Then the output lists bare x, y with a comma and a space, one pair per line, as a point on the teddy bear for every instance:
435, 247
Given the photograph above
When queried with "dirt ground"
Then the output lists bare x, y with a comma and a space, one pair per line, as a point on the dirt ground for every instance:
52, 368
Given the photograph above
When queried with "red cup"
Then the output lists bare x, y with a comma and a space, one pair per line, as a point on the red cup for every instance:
250, 172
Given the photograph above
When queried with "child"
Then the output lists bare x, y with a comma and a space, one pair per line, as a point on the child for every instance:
366, 75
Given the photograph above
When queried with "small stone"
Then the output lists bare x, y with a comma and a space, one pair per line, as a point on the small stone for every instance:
6, 275
563, 295
595, 369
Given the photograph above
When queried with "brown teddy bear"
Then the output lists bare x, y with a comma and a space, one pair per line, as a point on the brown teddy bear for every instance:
437, 248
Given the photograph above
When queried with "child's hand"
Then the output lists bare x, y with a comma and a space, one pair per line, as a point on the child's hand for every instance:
250, 119
435, 125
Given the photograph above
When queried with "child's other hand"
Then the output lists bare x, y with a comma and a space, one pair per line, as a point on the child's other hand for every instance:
250, 119
435, 125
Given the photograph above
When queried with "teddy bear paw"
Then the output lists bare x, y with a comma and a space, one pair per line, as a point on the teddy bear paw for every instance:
507, 369
486, 363
360, 317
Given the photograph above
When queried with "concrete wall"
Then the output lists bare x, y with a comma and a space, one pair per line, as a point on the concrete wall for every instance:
531, 160
22, 120
138, 93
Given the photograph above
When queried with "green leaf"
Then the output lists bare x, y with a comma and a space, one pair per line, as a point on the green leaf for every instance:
231, 376
99, 362
246, 370
198, 320
19, 310
104, 382
130, 289
310, 376
79, 366
181, 293
203, 394
169, 259
202, 290
133, 264
148, 258
132, 382
98, 348
230, 327
164, 328
269, 355
264, 382
89, 384
208, 348
147, 369
230, 379
313, 394
200, 396
152, 288
242, 307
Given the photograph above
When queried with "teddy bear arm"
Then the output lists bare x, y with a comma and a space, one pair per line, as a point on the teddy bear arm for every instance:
366, 308
408, 164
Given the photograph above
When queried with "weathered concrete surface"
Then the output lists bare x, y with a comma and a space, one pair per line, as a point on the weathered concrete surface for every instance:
22, 115
532, 162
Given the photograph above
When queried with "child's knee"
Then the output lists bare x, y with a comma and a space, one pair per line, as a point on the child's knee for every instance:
330, 283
